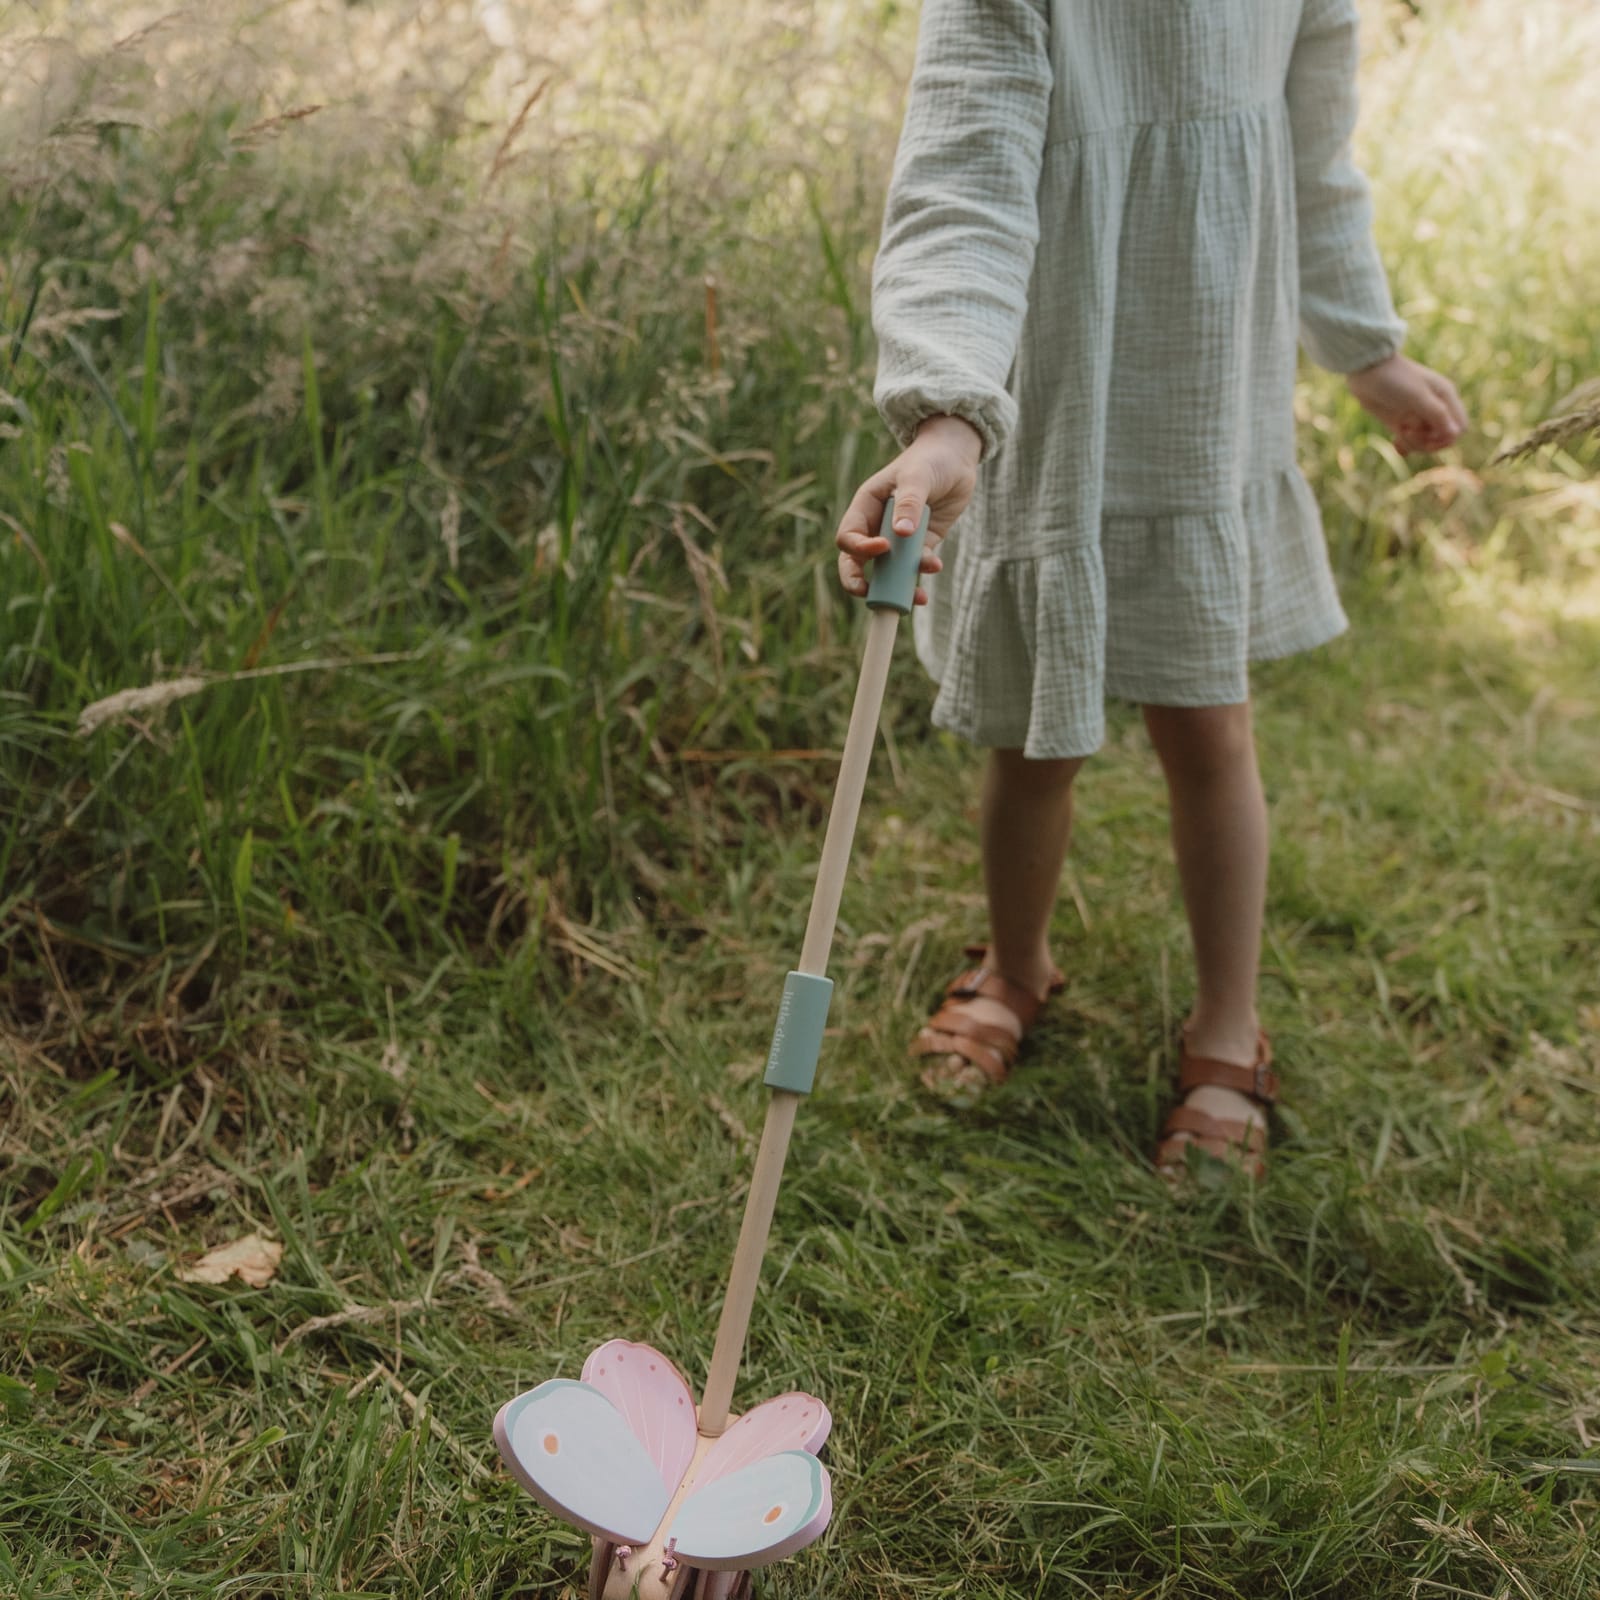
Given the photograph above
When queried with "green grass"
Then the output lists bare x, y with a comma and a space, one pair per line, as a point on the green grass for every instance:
1044, 1375
451, 963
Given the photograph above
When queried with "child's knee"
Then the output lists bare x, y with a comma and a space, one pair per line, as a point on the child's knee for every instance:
1047, 776
1201, 742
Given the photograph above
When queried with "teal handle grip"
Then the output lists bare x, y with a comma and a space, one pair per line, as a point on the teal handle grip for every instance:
797, 1039
894, 576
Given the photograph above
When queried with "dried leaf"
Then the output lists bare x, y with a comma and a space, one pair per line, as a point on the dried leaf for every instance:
252, 1258
474, 1272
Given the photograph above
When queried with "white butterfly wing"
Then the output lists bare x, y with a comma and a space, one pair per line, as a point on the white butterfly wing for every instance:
572, 1450
654, 1399
756, 1514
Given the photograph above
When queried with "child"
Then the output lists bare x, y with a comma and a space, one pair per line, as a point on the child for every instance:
1109, 222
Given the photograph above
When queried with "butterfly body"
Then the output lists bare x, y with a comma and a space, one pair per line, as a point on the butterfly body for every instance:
619, 1453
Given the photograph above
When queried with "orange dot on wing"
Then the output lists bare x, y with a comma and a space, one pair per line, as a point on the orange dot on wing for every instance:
552, 1444
773, 1514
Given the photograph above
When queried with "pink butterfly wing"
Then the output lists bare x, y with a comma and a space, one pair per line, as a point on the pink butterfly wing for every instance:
654, 1400
726, 1527
790, 1422
755, 1514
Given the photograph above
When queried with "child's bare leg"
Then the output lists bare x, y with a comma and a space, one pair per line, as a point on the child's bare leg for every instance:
1219, 835
1026, 822
1026, 827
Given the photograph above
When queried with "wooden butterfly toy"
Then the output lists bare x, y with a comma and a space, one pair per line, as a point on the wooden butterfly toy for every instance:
684, 1501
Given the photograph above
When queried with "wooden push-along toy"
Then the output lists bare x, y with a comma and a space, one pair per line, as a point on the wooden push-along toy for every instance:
684, 1501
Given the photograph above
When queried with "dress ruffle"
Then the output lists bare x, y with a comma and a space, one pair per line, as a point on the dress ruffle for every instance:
1160, 610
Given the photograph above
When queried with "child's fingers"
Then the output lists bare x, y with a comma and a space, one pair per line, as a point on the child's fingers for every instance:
854, 555
1452, 403
852, 579
863, 546
1433, 416
910, 496
1429, 424
863, 515
1413, 435
1437, 418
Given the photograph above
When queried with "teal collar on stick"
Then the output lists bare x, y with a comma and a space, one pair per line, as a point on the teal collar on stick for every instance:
894, 576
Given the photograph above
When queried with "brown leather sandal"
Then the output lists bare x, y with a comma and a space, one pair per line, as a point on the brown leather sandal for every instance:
1229, 1139
953, 1031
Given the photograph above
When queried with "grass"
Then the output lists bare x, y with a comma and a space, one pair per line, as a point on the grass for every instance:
1380, 1370
449, 963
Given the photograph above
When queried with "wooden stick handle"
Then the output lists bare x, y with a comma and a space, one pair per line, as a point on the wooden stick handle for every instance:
848, 791
763, 1198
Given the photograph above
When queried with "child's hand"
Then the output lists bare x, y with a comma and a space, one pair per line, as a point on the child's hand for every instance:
1418, 406
938, 469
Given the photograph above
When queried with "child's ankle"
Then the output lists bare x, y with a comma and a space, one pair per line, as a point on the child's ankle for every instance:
1035, 975
1223, 1036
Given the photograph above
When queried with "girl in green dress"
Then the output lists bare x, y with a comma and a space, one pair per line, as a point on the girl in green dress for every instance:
1111, 224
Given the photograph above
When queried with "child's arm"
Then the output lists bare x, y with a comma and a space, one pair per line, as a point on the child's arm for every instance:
1347, 319
950, 283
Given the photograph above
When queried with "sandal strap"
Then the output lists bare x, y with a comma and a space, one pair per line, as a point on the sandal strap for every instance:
956, 1018
981, 982
989, 1061
1257, 1081
1228, 1131
1170, 1156
953, 1030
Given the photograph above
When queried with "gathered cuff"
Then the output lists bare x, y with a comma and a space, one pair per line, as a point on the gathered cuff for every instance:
905, 408
1355, 346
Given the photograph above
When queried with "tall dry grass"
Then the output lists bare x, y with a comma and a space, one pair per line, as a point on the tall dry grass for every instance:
354, 169
530, 342
520, 343
351, 170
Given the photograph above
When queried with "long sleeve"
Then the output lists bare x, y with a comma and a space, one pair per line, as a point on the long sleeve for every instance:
1347, 319
950, 283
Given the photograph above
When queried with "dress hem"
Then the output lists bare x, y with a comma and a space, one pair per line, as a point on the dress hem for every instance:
972, 734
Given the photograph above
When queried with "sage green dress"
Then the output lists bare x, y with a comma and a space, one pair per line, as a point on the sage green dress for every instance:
1109, 224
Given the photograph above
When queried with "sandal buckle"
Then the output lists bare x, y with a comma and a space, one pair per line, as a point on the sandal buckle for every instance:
1264, 1086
